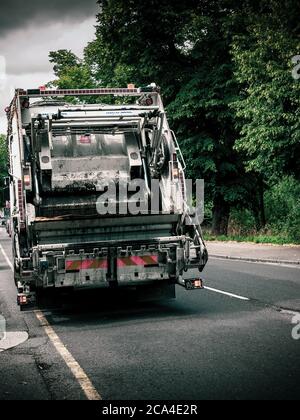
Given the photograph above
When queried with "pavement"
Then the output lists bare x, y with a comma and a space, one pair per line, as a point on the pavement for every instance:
234, 340
255, 252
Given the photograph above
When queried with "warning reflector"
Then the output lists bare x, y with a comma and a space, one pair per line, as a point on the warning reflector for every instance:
86, 139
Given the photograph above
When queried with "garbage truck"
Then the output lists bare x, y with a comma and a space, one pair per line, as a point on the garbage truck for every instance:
98, 195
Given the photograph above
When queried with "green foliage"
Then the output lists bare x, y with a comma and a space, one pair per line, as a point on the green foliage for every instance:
257, 239
226, 75
138, 42
268, 104
282, 204
63, 60
71, 72
242, 222
283, 207
201, 111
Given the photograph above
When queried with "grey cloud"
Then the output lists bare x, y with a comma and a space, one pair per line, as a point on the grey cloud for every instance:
26, 50
29, 30
15, 14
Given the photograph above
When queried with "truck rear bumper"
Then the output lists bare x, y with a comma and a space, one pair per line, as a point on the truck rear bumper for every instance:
134, 264
107, 252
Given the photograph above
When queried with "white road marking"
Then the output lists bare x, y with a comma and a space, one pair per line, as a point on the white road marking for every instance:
227, 293
81, 377
12, 339
6, 258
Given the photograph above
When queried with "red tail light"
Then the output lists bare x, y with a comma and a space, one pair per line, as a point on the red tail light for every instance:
85, 139
149, 101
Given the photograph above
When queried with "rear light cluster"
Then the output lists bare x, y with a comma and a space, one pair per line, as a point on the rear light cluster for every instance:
194, 284
27, 178
22, 299
86, 139
175, 168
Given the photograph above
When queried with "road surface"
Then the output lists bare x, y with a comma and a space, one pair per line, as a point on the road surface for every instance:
204, 345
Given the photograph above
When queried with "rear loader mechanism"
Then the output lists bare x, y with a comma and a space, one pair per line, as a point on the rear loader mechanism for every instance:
98, 194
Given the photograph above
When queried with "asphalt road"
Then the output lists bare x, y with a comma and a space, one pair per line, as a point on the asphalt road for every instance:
204, 345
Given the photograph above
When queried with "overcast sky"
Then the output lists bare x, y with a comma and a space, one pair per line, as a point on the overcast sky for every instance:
29, 30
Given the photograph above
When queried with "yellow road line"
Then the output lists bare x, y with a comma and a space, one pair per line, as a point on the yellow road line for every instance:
81, 377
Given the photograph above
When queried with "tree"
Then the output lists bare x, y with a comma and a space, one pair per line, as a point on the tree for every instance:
225, 72
185, 47
203, 116
71, 72
268, 108
138, 42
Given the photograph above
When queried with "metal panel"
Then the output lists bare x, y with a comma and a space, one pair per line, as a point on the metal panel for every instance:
67, 223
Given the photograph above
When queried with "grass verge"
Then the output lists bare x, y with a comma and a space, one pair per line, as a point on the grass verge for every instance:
257, 239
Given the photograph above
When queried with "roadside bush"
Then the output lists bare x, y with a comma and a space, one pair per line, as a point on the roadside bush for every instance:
241, 223
293, 223
283, 208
